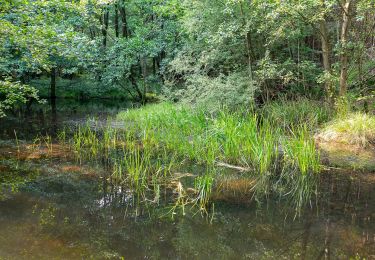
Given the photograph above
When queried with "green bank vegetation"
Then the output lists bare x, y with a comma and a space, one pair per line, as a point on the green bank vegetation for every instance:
155, 142
246, 85
354, 128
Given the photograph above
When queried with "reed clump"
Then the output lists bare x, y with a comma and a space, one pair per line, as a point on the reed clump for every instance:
286, 113
258, 143
158, 139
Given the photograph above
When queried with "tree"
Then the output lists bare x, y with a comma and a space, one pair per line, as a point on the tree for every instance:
346, 16
254, 50
42, 36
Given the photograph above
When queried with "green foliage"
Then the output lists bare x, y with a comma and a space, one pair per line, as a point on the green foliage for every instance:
300, 152
211, 52
234, 91
78, 88
13, 94
230, 137
40, 35
272, 43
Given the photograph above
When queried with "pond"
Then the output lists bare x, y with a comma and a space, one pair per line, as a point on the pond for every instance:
53, 207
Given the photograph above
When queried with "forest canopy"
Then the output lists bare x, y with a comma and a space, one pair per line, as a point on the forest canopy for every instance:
211, 52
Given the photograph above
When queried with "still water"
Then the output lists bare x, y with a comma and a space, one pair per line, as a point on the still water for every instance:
52, 207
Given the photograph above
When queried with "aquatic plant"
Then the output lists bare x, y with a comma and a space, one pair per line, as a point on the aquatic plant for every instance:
17, 141
62, 135
301, 164
287, 113
203, 184
300, 152
159, 137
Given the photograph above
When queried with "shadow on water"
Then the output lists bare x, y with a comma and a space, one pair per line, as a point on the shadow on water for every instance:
55, 114
52, 207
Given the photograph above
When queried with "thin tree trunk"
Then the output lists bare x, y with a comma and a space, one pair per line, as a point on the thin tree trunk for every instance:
54, 115
124, 22
92, 34
136, 88
248, 43
116, 20
162, 53
154, 66
326, 53
53, 83
144, 75
344, 51
104, 23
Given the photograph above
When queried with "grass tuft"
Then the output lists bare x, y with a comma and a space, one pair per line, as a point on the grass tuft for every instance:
286, 113
356, 128
158, 138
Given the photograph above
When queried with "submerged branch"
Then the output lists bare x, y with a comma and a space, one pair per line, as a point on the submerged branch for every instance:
234, 167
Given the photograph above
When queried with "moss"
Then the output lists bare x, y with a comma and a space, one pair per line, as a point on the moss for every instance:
348, 156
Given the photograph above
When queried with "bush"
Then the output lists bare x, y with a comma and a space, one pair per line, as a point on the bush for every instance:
213, 93
14, 93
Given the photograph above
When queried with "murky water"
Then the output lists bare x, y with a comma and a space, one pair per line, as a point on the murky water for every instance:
51, 207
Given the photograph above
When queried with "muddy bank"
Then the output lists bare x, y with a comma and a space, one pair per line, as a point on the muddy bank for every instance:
347, 156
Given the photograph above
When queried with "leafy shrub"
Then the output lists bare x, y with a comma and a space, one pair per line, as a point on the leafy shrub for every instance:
14, 93
213, 93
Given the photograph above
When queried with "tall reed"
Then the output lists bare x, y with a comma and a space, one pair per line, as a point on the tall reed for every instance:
160, 137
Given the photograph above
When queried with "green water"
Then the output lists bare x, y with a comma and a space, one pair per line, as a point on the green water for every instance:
51, 207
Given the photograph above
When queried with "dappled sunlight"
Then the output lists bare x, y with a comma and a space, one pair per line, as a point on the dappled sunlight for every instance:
355, 129
349, 142
180, 129
35, 152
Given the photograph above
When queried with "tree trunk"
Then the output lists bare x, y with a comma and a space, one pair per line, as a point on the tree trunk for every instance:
116, 21
105, 18
248, 43
53, 83
144, 75
136, 88
326, 53
344, 51
124, 20
154, 66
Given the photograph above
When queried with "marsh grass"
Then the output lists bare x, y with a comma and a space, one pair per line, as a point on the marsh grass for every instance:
286, 113
354, 128
301, 165
43, 141
159, 138
203, 184
234, 137
300, 152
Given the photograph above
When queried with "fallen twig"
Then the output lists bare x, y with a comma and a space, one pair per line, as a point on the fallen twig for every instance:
238, 168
